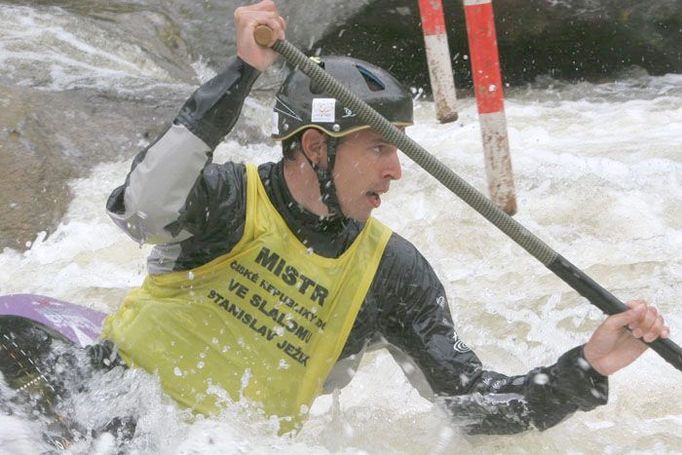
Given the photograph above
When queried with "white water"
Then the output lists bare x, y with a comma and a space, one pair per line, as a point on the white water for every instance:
52, 49
598, 172
599, 181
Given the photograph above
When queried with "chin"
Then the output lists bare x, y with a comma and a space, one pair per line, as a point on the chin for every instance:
361, 218
356, 212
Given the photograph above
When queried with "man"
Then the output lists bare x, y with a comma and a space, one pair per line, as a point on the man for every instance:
268, 283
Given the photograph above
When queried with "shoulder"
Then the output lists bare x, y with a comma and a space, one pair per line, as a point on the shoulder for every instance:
222, 177
224, 172
404, 270
233, 171
402, 253
226, 182
220, 193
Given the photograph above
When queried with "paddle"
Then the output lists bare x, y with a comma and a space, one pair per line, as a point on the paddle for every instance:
569, 273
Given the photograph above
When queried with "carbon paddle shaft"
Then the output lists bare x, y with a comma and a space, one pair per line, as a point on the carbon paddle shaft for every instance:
573, 276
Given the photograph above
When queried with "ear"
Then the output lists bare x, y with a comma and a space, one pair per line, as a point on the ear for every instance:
313, 143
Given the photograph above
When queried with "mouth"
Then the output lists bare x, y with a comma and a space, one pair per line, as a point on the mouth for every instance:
374, 198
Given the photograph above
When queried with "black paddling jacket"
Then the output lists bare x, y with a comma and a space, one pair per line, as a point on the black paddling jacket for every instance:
194, 211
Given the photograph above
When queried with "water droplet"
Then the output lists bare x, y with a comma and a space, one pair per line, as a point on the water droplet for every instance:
541, 379
584, 364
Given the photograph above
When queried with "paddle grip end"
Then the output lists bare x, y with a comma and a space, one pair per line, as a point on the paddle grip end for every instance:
263, 35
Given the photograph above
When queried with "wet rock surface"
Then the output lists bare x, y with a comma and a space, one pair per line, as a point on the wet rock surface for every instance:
48, 138
570, 39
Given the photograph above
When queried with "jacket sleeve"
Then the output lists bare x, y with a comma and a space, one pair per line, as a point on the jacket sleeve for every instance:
161, 199
417, 324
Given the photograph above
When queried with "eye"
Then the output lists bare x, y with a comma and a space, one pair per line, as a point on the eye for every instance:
379, 148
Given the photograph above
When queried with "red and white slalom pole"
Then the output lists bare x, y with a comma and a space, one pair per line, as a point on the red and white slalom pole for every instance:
485, 69
438, 59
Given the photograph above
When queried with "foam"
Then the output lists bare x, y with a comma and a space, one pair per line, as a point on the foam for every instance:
53, 49
599, 180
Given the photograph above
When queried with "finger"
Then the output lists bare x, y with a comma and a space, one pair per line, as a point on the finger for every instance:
252, 15
626, 318
658, 329
267, 5
283, 25
645, 322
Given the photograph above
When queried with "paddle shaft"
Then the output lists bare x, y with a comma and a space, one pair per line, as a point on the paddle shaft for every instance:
560, 266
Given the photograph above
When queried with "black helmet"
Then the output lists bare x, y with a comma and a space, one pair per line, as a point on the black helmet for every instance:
301, 104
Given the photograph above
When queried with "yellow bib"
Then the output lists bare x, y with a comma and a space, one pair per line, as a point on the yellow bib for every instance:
265, 322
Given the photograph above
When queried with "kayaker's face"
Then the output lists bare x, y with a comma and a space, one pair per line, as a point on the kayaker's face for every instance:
365, 166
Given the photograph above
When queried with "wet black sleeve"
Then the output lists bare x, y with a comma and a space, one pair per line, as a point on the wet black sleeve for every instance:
213, 109
415, 319
210, 114
165, 196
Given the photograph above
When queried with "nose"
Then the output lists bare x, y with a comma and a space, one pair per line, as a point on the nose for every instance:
392, 169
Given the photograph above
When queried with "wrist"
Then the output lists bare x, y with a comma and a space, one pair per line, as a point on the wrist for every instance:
249, 71
256, 63
589, 361
580, 381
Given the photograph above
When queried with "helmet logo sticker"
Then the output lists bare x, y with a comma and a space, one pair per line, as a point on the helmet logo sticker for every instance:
347, 113
282, 108
323, 110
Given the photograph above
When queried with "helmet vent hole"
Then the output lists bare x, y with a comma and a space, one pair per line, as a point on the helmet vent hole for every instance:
373, 83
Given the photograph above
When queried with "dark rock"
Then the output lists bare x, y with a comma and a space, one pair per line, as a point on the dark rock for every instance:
47, 138
571, 39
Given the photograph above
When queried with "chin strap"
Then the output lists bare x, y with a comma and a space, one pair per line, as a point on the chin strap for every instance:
326, 180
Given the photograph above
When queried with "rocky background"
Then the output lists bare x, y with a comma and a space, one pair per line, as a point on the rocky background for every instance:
83, 82
568, 39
